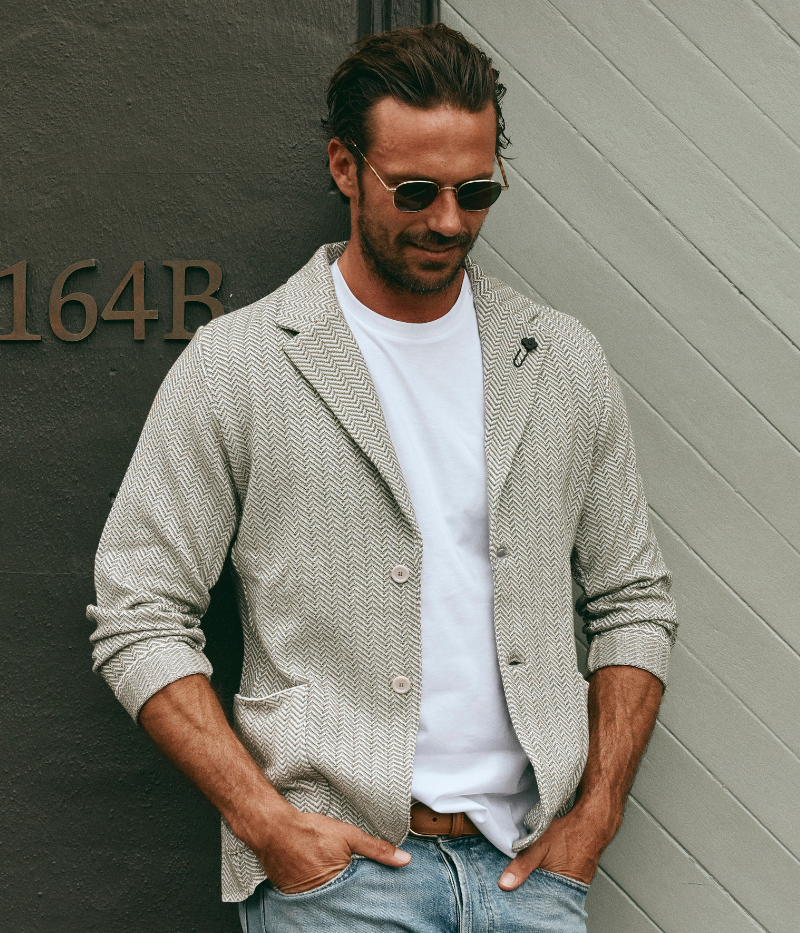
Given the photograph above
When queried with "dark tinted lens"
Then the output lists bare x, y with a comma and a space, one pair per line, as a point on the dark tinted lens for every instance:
478, 195
414, 196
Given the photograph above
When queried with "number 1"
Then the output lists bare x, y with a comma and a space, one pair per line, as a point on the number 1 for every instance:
19, 274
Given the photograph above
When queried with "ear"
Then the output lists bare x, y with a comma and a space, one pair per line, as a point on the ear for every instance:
343, 168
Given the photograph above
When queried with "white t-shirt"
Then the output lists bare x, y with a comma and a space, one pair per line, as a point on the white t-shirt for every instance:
429, 381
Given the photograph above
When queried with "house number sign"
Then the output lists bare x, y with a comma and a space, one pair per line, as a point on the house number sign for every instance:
139, 314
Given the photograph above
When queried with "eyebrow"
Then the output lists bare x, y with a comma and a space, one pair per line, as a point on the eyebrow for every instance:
394, 179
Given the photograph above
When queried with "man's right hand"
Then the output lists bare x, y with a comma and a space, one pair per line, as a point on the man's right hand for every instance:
306, 850
299, 851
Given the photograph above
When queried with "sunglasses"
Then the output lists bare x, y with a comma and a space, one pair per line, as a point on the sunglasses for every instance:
413, 196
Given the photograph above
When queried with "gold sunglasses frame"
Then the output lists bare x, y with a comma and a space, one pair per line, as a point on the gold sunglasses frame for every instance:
427, 181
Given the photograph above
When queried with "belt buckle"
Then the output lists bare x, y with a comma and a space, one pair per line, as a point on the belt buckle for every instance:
423, 835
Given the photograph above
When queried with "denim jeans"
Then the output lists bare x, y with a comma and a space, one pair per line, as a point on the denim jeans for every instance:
450, 886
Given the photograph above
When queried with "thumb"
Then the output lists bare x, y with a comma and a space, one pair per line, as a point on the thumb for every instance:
518, 870
377, 849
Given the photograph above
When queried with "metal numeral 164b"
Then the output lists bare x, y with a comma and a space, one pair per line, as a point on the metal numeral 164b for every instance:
139, 314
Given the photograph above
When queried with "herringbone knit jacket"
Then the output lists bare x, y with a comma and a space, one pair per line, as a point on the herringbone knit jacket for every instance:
267, 439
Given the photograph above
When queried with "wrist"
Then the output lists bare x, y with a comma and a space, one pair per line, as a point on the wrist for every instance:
600, 812
261, 817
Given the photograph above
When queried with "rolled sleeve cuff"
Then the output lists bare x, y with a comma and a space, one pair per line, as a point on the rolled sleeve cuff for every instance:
645, 645
139, 671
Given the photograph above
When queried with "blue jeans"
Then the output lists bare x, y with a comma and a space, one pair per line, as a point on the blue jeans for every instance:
450, 886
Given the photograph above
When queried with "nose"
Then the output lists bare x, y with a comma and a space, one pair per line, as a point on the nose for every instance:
444, 216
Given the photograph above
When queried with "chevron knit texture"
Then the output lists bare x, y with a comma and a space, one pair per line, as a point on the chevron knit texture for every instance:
267, 439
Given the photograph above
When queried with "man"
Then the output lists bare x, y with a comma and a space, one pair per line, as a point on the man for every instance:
407, 461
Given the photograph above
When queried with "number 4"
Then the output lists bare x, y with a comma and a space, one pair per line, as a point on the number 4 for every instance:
138, 315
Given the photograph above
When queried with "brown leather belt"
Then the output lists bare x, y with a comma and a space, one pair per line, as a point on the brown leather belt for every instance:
427, 822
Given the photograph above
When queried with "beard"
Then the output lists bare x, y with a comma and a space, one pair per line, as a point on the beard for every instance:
384, 257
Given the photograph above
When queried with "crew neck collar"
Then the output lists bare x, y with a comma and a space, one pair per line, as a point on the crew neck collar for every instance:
430, 330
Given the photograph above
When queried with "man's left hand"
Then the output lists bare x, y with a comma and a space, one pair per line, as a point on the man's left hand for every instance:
623, 703
570, 846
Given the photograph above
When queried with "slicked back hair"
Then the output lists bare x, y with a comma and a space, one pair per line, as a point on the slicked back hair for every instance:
425, 67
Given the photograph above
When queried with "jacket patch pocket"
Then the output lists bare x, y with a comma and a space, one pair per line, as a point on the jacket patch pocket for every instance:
273, 729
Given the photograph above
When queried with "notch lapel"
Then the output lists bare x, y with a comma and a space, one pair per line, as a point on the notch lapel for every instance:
327, 355
504, 318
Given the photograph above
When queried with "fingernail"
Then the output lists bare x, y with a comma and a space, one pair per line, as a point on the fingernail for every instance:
402, 857
508, 880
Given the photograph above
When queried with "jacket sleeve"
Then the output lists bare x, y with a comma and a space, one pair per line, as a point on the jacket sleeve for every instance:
629, 617
165, 542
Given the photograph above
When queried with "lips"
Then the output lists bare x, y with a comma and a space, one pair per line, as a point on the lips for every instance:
435, 249
437, 246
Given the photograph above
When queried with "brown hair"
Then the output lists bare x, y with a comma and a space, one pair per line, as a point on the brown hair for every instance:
423, 67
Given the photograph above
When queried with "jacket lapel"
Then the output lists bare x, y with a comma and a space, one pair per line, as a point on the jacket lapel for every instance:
504, 318
325, 352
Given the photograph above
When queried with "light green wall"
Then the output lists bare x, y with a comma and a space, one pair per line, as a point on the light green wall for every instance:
655, 195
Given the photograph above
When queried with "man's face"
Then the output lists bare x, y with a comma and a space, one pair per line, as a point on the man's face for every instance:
421, 252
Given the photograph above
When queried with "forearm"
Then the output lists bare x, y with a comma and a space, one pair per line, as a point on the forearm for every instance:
623, 705
187, 723
298, 851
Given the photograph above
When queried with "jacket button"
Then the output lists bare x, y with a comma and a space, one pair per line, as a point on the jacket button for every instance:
401, 685
400, 573
501, 552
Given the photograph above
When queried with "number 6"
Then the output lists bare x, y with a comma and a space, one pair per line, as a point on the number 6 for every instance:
57, 302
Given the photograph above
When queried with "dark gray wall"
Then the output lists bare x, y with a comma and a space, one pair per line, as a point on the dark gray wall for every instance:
151, 130
377, 15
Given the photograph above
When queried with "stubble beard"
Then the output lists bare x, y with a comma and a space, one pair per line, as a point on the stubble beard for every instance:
384, 258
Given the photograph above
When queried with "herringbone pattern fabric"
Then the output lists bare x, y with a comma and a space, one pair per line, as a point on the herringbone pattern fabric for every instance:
267, 437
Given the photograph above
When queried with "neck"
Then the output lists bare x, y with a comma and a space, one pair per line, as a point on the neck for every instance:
384, 298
